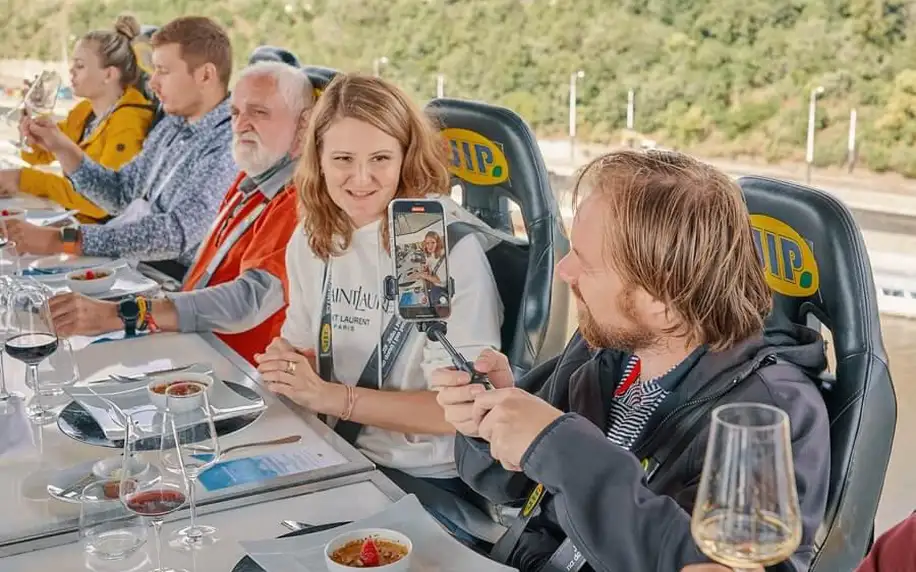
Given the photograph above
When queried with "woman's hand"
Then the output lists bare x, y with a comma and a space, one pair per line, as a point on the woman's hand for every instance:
291, 372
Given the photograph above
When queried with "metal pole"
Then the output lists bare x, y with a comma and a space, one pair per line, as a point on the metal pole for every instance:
572, 118
809, 154
631, 109
440, 85
852, 140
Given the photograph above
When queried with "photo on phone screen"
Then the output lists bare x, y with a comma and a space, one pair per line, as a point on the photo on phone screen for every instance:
420, 252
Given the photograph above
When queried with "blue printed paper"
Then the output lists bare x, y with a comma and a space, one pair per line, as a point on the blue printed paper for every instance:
237, 472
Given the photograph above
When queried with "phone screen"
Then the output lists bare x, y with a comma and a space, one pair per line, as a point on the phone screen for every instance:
420, 252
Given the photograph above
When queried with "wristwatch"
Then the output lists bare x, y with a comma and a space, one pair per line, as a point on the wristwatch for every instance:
129, 312
70, 237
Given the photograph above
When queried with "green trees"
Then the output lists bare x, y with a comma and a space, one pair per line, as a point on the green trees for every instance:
726, 76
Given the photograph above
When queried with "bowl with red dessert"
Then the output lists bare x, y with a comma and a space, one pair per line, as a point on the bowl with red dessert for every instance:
91, 281
12, 214
376, 548
180, 392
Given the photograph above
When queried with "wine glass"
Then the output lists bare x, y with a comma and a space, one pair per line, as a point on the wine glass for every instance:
31, 340
746, 513
9, 267
41, 98
196, 449
148, 487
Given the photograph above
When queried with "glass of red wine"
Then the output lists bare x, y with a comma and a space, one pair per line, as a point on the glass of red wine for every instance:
31, 340
190, 421
156, 491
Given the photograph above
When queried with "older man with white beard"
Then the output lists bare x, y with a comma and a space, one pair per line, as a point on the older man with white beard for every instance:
237, 284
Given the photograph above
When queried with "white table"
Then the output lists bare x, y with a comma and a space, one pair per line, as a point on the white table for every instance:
344, 499
29, 513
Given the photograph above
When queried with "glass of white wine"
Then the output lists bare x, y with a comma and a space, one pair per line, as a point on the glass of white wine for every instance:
746, 513
41, 98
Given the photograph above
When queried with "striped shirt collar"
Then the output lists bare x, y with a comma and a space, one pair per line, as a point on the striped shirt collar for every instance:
271, 181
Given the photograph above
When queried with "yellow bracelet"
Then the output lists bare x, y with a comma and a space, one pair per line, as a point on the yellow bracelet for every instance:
141, 303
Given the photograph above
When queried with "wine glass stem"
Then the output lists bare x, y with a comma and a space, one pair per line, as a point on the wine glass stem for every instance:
4, 394
32, 373
157, 532
193, 532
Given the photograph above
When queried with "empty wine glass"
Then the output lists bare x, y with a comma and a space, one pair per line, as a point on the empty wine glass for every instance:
31, 340
148, 487
197, 448
746, 513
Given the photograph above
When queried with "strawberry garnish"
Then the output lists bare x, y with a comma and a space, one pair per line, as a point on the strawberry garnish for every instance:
90, 275
368, 554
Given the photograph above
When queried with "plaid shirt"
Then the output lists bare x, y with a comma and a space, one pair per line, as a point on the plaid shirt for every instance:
183, 170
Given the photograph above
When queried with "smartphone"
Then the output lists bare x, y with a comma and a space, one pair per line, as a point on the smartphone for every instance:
419, 249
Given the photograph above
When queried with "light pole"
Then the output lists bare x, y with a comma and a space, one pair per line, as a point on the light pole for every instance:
631, 109
573, 79
812, 112
377, 64
440, 85
852, 140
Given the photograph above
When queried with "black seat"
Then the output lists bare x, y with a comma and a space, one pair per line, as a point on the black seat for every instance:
319, 76
273, 54
495, 159
817, 265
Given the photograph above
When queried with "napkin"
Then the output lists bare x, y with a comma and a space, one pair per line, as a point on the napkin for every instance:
434, 549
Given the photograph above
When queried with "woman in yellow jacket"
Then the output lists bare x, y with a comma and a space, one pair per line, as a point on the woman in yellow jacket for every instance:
110, 124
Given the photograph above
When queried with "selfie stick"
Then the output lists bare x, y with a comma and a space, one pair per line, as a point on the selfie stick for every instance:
435, 331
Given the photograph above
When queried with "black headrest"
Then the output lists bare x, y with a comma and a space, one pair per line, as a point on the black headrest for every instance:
816, 261
319, 76
273, 54
494, 154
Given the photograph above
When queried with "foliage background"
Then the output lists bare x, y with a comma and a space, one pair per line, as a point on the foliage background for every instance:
717, 77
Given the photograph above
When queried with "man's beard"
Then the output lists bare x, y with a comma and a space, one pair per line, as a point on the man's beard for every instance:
631, 336
252, 159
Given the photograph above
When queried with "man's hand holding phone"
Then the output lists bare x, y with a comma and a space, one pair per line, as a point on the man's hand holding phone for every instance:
456, 393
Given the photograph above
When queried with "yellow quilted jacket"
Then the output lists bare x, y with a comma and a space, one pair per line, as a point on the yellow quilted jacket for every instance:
114, 142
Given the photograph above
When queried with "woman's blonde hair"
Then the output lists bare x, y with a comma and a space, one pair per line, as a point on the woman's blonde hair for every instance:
386, 107
115, 49
440, 244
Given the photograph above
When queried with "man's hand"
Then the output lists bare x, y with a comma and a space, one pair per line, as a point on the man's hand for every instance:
78, 315
9, 182
33, 239
456, 394
512, 420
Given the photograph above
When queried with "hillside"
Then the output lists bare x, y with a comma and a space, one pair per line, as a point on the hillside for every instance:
721, 77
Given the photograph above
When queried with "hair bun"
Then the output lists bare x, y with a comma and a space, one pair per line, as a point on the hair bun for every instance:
127, 26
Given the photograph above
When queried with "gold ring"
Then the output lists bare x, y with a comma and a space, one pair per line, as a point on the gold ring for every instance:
291, 367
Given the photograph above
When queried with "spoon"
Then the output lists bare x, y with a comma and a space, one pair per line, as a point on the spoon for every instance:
205, 457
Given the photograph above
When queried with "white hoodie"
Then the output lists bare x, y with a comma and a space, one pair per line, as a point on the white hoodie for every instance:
358, 319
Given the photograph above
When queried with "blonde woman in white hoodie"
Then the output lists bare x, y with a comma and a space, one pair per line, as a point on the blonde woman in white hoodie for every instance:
368, 143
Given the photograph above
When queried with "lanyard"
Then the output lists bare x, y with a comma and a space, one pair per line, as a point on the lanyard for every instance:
223, 220
392, 343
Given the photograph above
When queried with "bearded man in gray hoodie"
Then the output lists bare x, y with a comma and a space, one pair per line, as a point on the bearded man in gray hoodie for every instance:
672, 300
